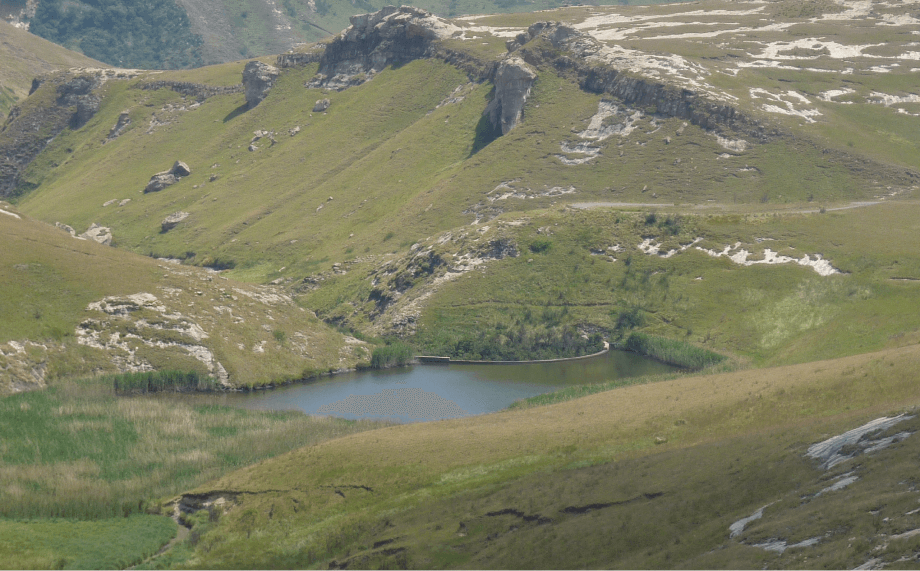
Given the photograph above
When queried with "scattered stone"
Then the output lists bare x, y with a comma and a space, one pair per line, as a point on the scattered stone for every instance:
125, 201
109, 202
66, 228
100, 234
173, 220
253, 147
295, 130
213, 177
258, 79
321, 105
667, 140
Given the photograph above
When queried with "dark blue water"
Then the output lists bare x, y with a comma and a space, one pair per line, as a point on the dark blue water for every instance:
434, 392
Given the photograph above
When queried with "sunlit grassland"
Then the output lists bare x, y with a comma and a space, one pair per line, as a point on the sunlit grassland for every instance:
533, 459
762, 314
69, 544
75, 450
393, 160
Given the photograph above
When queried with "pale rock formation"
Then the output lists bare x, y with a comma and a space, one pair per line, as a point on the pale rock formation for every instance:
258, 79
124, 119
513, 80
173, 220
321, 105
97, 233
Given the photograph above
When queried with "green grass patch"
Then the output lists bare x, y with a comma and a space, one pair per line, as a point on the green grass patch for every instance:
115, 543
76, 450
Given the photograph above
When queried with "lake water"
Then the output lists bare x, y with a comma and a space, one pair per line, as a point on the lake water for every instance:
434, 392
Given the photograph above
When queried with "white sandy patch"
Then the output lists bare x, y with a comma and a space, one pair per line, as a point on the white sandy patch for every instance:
889, 100
597, 131
779, 27
737, 145
830, 94
651, 247
16, 216
789, 99
774, 50
739, 255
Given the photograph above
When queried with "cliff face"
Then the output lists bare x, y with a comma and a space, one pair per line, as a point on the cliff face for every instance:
572, 53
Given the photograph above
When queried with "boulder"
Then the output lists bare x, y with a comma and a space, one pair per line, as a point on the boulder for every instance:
180, 169
173, 220
321, 105
100, 234
258, 79
160, 181
164, 179
513, 80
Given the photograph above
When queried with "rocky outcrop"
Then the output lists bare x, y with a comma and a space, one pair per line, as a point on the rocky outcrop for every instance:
57, 101
574, 54
321, 105
97, 233
374, 41
124, 119
258, 79
77, 94
199, 91
168, 178
513, 80
173, 220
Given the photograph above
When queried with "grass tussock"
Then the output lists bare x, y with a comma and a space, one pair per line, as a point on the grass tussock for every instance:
671, 351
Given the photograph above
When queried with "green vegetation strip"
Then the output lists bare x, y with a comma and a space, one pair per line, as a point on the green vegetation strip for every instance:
159, 381
114, 543
673, 352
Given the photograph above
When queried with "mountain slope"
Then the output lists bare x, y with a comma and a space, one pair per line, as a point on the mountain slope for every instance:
397, 210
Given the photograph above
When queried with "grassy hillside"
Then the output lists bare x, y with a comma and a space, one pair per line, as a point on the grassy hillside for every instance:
74, 307
378, 215
649, 475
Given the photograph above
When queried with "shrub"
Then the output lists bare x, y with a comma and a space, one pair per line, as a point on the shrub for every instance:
540, 245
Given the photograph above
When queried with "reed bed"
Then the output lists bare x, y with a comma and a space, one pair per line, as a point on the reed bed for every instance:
672, 351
